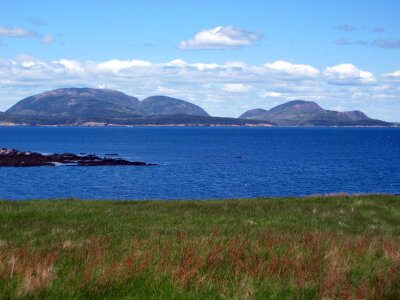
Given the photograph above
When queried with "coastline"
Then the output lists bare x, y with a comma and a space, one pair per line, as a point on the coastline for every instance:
95, 124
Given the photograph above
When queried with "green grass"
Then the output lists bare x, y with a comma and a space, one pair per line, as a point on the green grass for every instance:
340, 246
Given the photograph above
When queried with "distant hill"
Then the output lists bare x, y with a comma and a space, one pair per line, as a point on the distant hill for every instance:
87, 102
77, 102
163, 105
308, 113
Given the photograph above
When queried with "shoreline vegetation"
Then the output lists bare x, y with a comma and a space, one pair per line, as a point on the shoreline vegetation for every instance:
99, 124
333, 247
96, 124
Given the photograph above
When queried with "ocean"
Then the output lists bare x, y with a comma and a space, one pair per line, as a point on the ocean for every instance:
206, 162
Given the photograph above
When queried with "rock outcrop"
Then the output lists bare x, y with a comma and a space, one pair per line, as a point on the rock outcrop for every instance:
15, 158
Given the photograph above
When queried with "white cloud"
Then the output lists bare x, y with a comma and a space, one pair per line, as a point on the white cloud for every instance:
348, 74
292, 69
236, 64
177, 63
71, 66
47, 40
272, 95
19, 32
25, 63
236, 87
15, 32
116, 66
221, 37
167, 91
394, 76
205, 67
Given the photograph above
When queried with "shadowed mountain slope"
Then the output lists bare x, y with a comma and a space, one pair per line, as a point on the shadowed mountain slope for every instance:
163, 105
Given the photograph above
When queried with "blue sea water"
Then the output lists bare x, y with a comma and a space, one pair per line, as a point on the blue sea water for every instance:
205, 162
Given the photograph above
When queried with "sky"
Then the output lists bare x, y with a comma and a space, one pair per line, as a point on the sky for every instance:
225, 56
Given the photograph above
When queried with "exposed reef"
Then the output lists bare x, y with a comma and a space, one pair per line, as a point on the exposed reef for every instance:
15, 158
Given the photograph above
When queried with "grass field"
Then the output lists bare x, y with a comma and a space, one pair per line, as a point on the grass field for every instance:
337, 247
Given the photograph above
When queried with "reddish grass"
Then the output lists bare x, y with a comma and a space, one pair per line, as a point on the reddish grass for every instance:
323, 261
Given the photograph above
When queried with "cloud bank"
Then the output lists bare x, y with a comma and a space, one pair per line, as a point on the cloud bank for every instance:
226, 89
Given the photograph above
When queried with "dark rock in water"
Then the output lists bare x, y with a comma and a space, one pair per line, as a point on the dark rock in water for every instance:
15, 158
112, 162
111, 154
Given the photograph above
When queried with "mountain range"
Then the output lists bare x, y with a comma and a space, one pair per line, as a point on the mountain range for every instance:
86, 102
86, 106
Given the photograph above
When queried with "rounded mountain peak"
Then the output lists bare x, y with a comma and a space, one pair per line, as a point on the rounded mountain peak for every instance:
300, 106
164, 105
76, 101
254, 114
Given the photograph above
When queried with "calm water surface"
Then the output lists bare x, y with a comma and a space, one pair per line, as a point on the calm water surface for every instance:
205, 163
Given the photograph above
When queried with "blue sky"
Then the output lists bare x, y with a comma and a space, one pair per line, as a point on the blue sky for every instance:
227, 56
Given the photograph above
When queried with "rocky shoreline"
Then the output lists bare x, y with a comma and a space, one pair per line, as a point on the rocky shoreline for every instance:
15, 158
